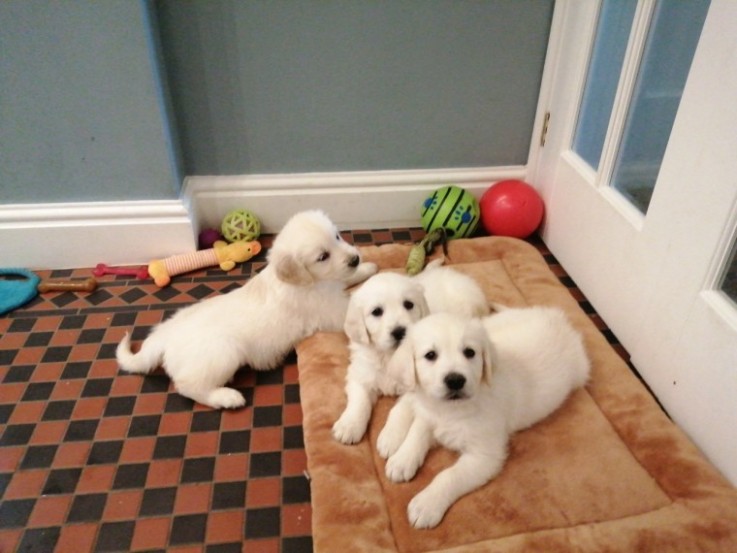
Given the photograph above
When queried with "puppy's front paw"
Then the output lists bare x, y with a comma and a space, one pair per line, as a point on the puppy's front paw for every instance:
401, 468
370, 267
347, 430
367, 269
225, 398
389, 441
425, 511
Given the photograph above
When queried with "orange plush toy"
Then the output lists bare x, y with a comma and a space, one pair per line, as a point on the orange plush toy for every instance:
223, 254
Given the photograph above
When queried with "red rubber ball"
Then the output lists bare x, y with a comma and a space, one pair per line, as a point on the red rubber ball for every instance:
511, 208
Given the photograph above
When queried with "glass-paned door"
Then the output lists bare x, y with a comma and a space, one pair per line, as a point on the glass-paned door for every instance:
641, 206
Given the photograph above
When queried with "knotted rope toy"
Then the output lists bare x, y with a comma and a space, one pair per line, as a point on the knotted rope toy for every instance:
418, 252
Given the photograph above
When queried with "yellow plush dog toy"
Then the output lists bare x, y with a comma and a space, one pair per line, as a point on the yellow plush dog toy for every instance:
223, 254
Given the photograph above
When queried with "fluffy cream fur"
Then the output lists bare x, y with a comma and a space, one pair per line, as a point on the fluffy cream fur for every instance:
379, 315
475, 383
300, 291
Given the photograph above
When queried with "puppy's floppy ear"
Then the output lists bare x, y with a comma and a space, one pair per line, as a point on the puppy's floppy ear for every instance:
291, 270
354, 325
401, 365
489, 357
421, 301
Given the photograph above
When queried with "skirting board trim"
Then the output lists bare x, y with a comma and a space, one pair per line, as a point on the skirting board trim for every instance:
71, 235
354, 200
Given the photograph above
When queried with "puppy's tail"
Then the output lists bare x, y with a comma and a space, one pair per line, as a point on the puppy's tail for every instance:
435, 263
143, 362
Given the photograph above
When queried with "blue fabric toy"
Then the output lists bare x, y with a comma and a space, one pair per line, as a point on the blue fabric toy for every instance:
17, 290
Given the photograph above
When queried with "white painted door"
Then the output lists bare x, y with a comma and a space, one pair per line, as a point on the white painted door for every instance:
653, 265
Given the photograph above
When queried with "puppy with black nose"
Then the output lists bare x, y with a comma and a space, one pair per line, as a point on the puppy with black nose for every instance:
472, 383
301, 290
379, 315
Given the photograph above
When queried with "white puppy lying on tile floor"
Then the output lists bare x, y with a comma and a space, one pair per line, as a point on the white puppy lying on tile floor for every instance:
299, 292
475, 382
379, 315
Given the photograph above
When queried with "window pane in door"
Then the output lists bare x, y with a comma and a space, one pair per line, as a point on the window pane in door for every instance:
612, 34
671, 43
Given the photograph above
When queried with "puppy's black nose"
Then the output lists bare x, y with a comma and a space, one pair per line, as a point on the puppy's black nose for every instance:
398, 333
354, 261
455, 381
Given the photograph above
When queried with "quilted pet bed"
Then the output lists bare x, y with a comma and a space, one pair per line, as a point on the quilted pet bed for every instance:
607, 472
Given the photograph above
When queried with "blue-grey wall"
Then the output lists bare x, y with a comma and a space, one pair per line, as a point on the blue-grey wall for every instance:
81, 114
258, 87
312, 85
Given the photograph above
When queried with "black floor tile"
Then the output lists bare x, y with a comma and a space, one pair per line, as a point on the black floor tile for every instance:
130, 476
295, 489
61, 481
14, 513
39, 456
263, 523
40, 539
87, 507
235, 441
198, 469
170, 447
119, 406
58, 410
19, 374
205, 421
158, 501
17, 434
115, 536
103, 453
79, 431
267, 416
76, 370
265, 464
144, 425
188, 529
229, 495
97, 387
38, 391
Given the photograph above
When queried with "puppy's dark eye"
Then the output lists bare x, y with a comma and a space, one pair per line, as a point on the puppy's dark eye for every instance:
338, 237
431, 355
469, 353
408, 305
324, 256
377, 312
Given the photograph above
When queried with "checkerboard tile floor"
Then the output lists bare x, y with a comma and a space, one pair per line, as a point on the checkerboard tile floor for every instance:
92, 459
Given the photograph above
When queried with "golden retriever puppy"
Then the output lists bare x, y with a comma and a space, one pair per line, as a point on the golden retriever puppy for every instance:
474, 383
300, 291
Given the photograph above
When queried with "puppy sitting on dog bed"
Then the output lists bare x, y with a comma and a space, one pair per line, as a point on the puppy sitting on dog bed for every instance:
474, 383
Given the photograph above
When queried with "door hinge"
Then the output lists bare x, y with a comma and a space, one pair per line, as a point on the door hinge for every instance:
544, 132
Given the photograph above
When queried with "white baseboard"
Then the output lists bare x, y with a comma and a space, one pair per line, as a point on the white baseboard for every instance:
69, 235
354, 200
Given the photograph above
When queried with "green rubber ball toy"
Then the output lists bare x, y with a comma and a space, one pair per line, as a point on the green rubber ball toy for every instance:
240, 225
452, 208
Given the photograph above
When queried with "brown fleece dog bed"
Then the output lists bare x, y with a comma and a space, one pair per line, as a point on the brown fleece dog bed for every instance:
607, 472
